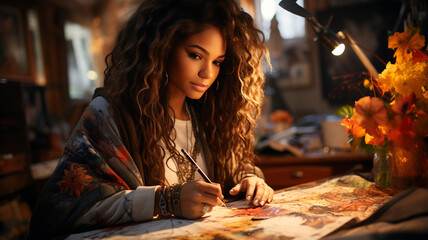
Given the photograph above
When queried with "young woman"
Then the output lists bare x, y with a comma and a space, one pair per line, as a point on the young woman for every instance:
184, 74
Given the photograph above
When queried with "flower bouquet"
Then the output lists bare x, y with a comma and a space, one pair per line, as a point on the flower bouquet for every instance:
395, 124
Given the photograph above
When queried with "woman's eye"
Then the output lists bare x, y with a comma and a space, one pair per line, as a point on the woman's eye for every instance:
217, 63
194, 56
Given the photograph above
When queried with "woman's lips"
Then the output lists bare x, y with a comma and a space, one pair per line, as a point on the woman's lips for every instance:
200, 87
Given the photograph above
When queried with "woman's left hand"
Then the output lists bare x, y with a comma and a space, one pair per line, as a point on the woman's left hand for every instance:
258, 192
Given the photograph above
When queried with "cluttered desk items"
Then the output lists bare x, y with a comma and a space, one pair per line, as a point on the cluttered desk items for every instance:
306, 212
283, 141
309, 134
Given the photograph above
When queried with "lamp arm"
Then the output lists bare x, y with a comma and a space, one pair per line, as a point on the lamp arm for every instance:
293, 7
316, 26
360, 54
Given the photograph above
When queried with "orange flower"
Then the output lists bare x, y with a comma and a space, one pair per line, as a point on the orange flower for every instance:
74, 180
406, 117
370, 113
400, 127
405, 43
375, 140
405, 105
402, 132
281, 116
352, 127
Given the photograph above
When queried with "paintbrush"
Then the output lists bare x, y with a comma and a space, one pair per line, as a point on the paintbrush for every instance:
204, 176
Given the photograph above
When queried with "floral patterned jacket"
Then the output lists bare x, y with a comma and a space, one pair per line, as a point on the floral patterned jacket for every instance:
96, 167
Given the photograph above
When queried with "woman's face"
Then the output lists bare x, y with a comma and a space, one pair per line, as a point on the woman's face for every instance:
195, 64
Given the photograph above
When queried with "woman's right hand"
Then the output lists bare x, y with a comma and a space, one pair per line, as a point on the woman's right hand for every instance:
195, 194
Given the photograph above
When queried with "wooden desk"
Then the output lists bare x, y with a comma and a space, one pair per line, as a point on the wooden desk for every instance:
283, 171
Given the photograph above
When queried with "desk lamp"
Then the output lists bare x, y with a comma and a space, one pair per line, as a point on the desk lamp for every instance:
334, 42
324, 34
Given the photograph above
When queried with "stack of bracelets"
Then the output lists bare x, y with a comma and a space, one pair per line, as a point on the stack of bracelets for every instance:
169, 200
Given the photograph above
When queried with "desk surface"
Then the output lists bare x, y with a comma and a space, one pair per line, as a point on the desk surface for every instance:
305, 212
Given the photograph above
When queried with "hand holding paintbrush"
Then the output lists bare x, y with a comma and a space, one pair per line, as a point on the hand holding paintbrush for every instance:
204, 176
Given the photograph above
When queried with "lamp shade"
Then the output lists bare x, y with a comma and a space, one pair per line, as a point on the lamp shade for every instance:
330, 40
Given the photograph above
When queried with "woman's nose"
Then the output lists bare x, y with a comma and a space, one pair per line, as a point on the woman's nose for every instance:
206, 71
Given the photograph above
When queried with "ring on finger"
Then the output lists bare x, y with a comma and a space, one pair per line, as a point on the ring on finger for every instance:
206, 208
260, 184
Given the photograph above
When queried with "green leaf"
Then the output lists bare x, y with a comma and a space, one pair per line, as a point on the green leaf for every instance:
346, 110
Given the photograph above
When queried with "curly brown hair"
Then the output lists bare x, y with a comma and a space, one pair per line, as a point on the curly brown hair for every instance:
228, 111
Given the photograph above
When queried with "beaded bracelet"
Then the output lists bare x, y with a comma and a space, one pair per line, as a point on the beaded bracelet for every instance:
162, 203
169, 200
176, 200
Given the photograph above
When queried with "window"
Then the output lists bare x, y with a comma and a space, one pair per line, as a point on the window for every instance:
290, 26
81, 76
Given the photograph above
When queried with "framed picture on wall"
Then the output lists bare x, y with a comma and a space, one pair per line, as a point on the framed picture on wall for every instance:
293, 67
369, 24
290, 53
14, 52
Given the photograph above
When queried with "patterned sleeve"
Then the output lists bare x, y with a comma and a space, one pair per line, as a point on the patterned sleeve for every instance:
95, 166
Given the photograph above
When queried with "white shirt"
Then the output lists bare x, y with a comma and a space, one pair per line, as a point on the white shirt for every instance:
184, 140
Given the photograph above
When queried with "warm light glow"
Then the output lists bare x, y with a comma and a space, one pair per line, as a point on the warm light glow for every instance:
92, 75
338, 50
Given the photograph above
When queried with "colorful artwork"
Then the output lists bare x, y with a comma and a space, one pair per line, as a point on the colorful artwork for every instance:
310, 213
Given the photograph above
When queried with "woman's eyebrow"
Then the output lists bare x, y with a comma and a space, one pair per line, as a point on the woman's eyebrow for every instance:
204, 50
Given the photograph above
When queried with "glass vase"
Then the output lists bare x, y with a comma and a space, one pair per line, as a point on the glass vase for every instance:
381, 169
408, 165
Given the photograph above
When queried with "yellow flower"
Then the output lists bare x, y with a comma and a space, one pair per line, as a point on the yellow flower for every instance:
405, 43
386, 77
405, 78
